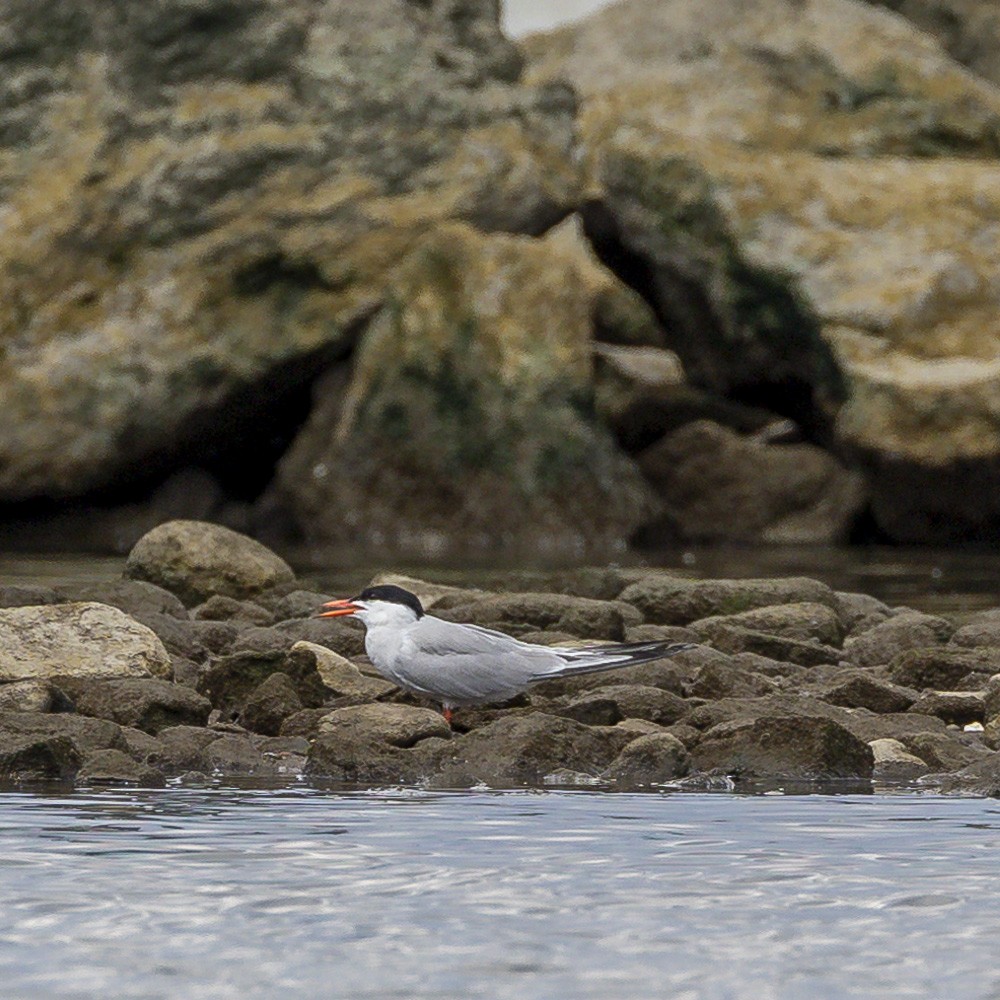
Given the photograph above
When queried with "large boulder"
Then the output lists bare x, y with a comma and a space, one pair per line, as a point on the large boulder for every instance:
81, 639
195, 560
801, 189
198, 210
146, 704
465, 421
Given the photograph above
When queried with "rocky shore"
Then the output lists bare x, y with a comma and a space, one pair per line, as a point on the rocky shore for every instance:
204, 663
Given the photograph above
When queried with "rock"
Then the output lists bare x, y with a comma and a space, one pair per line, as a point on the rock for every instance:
725, 680
893, 762
991, 697
339, 676
37, 757
220, 608
968, 29
857, 689
608, 705
659, 633
980, 778
19, 596
715, 485
667, 600
397, 725
522, 750
892, 725
940, 668
297, 604
790, 185
859, 612
146, 704
673, 675
983, 630
639, 727
304, 723
78, 640
83, 733
882, 643
347, 759
806, 622
652, 759
346, 638
461, 427
221, 215
784, 747
180, 749
958, 707
113, 767
944, 751
136, 598
579, 616
730, 638
31, 696
196, 560
269, 704
235, 754
230, 680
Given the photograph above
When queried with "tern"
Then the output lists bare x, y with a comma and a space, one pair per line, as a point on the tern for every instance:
457, 665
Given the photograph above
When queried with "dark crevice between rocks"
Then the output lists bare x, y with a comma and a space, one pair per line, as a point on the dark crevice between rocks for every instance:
220, 461
765, 308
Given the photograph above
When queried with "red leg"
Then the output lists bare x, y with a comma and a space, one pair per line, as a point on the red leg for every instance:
446, 712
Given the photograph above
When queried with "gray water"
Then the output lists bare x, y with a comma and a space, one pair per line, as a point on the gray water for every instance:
306, 893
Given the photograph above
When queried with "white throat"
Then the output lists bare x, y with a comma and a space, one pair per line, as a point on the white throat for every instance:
385, 614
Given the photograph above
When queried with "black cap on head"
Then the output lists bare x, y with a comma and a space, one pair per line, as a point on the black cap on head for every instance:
392, 594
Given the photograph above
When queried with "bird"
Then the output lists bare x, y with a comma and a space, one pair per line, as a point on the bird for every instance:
458, 665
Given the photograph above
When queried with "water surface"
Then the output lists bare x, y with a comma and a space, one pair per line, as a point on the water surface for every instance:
305, 893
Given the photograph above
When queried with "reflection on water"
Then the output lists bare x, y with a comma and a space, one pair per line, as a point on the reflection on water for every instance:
242, 894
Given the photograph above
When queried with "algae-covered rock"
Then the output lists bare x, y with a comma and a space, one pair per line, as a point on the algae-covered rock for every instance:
198, 210
467, 420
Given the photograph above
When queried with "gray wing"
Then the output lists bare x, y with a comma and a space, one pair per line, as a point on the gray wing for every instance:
465, 664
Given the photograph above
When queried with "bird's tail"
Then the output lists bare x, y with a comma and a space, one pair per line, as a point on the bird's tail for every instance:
592, 659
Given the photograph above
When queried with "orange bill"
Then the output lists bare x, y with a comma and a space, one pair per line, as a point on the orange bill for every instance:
338, 608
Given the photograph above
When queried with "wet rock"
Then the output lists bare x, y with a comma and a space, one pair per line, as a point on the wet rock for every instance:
113, 767
20, 596
725, 680
37, 757
194, 560
235, 754
941, 668
79, 640
882, 643
608, 705
859, 612
944, 751
229, 680
649, 760
269, 704
857, 689
345, 758
578, 616
666, 600
398, 725
180, 749
783, 747
980, 778
339, 676
221, 608
893, 762
958, 707
715, 485
146, 704
521, 750
31, 696
84, 733
304, 723
137, 744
